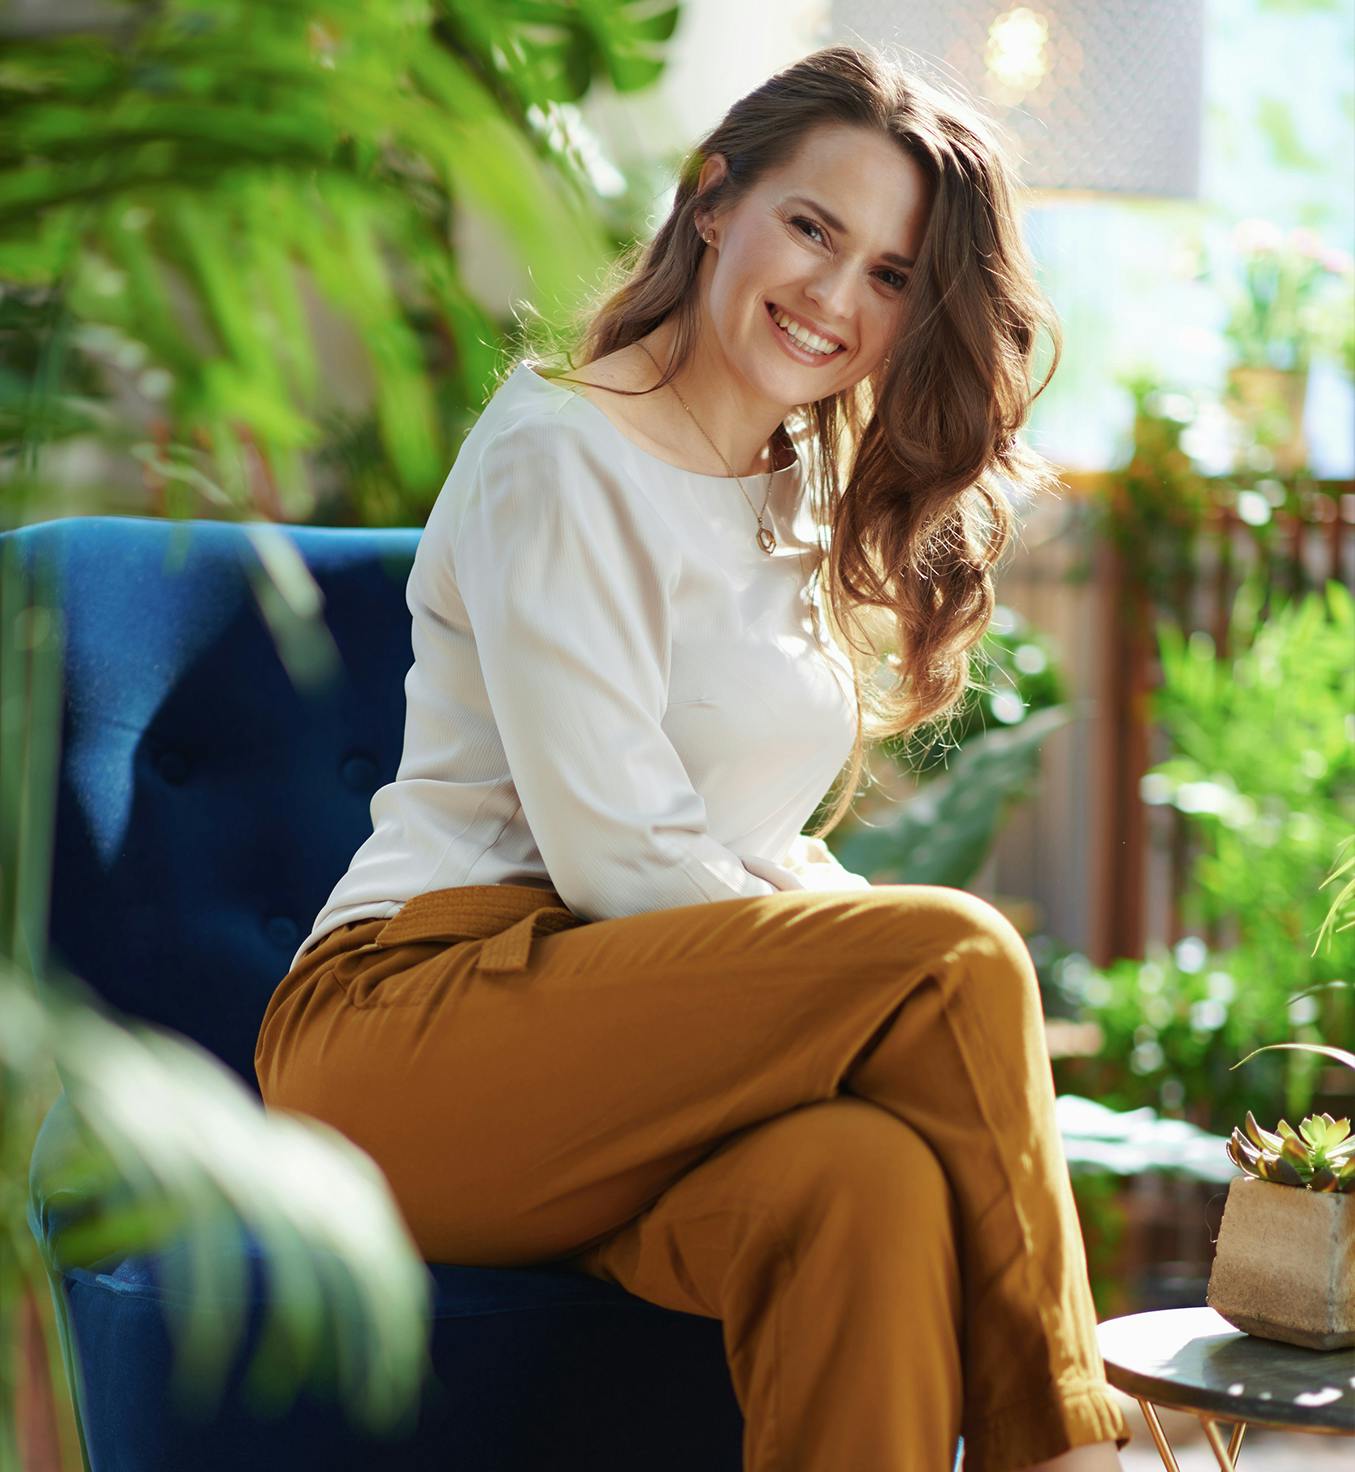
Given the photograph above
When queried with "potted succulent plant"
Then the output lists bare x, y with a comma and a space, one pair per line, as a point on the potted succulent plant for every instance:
1284, 1264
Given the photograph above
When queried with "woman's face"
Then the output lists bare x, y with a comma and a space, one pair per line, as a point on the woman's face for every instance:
819, 239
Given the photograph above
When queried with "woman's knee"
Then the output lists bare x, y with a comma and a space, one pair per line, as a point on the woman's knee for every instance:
971, 915
956, 922
851, 1158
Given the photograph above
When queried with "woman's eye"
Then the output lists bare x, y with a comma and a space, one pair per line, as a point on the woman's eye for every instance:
899, 281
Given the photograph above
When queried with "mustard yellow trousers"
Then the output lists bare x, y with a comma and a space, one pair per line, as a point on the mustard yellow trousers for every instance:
825, 1118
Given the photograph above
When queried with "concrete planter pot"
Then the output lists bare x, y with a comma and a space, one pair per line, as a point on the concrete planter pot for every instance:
1284, 1267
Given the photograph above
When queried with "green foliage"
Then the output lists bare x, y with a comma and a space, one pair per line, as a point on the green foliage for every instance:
155, 1145
1299, 7
1344, 900
944, 833
1263, 766
1263, 771
971, 779
201, 209
1152, 509
1284, 291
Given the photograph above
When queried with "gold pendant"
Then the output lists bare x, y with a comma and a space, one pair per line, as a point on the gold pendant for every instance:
766, 539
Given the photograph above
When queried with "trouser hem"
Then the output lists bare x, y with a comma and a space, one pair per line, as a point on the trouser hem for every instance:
1043, 1426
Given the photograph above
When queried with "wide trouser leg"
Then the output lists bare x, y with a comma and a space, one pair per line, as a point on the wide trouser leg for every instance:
535, 1109
981, 1092
824, 1240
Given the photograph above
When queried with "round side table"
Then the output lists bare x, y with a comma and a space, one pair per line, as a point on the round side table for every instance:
1192, 1359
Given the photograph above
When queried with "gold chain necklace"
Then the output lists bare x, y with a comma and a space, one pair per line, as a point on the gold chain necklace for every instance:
766, 538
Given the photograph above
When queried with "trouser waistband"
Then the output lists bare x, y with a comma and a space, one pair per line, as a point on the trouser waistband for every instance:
508, 916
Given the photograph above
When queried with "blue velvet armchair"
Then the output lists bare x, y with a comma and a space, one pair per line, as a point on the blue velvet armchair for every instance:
205, 809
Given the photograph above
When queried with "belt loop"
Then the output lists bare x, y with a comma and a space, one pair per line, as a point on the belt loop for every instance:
509, 949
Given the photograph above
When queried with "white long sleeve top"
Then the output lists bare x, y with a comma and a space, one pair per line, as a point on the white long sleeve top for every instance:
615, 692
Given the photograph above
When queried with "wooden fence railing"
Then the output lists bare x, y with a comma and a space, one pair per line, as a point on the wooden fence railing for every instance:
1144, 853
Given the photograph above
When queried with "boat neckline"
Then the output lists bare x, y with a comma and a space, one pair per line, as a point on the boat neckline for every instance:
778, 476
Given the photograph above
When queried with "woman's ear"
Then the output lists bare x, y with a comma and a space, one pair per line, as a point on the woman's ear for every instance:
713, 170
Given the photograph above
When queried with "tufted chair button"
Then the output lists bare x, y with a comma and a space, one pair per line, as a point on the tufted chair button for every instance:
358, 773
173, 767
282, 930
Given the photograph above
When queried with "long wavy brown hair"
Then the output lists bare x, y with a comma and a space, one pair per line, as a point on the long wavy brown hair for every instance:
917, 469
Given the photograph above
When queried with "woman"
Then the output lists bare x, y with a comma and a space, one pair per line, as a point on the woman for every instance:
588, 993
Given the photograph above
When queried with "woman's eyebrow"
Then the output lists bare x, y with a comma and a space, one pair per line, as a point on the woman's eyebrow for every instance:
835, 224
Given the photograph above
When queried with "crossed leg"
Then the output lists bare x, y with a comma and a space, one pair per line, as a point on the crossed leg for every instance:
583, 1099
824, 1239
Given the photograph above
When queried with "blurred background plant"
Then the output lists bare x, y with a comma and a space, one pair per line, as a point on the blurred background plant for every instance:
1341, 916
1262, 769
937, 801
204, 211
1289, 295
1152, 508
1290, 299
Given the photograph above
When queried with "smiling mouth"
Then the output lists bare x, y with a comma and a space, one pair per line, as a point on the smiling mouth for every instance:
773, 310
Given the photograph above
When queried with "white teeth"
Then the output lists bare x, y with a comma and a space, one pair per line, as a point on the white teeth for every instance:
803, 335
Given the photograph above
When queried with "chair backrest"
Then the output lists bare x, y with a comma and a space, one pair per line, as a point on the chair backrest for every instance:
207, 801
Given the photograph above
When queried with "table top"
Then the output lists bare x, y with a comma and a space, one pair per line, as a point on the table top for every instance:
1193, 1359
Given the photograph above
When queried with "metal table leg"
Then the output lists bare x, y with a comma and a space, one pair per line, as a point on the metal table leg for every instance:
1226, 1456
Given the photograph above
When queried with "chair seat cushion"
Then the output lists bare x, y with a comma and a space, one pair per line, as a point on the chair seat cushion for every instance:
523, 1363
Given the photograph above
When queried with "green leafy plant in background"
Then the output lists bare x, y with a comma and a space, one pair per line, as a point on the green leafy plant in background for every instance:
202, 208
1290, 300
1161, 513
1151, 509
1343, 901
1263, 771
1288, 294
967, 783
944, 833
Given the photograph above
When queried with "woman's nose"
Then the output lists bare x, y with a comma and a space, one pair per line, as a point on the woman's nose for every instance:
831, 293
